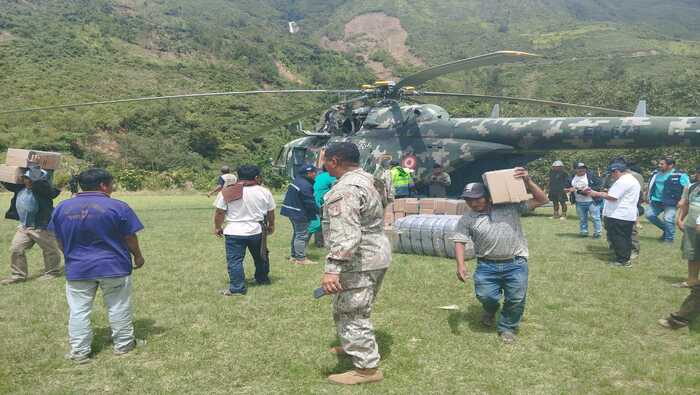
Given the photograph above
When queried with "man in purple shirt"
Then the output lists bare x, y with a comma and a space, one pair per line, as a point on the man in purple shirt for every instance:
97, 235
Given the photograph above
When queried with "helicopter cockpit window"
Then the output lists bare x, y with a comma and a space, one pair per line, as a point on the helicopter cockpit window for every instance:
380, 118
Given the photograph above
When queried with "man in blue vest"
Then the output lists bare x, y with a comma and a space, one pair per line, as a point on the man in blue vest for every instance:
300, 207
665, 191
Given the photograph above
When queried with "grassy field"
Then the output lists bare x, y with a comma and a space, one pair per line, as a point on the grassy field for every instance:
588, 328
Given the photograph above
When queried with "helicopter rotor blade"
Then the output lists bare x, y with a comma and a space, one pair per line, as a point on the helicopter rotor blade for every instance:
494, 58
317, 110
491, 98
184, 96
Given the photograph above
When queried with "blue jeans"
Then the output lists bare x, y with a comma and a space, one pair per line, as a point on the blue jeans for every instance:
669, 223
509, 278
582, 209
235, 252
116, 292
300, 238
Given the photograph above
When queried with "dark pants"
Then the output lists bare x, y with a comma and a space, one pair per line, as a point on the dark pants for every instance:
619, 235
491, 279
235, 252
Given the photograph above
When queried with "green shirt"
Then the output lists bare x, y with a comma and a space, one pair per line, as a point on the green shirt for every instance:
692, 194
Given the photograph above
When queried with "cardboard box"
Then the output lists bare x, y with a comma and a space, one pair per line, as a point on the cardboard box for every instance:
388, 218
427, 204
504, 187
452, 207
440, 206
11, 174
23, 158
412, 207
461, 207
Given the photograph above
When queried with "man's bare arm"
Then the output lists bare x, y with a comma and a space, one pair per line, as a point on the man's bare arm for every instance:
219, 216
132, 243
538, 196
462, 272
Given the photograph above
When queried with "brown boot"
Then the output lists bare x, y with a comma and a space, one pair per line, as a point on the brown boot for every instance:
337, 350
357, 376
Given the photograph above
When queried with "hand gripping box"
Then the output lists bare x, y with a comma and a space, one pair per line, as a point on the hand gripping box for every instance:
504, 187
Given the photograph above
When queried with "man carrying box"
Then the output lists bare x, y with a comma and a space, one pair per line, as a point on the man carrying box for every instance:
32, 206
501, 252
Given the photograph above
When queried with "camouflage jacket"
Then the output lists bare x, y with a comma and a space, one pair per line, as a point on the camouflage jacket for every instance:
353, 225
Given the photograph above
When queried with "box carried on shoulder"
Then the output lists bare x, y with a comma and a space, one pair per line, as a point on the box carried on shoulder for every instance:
504, 187
26, 158
11, 174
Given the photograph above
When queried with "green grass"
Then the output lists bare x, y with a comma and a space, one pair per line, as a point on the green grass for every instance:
588, 328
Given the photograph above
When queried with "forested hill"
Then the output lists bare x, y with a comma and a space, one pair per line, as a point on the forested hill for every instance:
597, 52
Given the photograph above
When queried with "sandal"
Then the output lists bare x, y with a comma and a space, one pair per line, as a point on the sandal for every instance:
227, 292
683, 284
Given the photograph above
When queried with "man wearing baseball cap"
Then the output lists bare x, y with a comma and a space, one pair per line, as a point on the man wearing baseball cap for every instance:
300, 207
32, 206
558, 180
501, 252
620, 212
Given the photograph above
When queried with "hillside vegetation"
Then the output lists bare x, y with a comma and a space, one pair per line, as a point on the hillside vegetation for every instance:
51, 52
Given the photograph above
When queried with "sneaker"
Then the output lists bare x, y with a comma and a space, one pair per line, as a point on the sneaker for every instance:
634, 255
507, 337
672, 323
596, 236
487, 319
627, 264
357, 376
48, 276
583, 234
130, 347
562, 218
12, 280
77, 359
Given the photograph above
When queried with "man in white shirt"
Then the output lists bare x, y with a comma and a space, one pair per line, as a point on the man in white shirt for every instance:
620, 212
243, 212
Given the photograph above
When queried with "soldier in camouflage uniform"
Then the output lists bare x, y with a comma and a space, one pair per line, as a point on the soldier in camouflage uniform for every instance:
359, 255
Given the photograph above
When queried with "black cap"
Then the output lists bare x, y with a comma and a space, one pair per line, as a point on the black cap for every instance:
474, 190
307, 168
617, 166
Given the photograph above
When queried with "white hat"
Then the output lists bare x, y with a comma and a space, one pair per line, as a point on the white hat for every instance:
557, 163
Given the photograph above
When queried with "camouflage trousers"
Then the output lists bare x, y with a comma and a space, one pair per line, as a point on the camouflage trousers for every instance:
690, 307
351, 310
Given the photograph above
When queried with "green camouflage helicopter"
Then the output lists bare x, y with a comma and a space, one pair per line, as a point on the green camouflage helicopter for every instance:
419, 134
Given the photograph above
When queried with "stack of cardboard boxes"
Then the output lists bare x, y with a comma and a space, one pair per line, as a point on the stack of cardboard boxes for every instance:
403, 207
18, 160
503, 188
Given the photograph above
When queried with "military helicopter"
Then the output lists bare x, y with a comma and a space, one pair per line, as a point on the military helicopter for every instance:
419, 134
